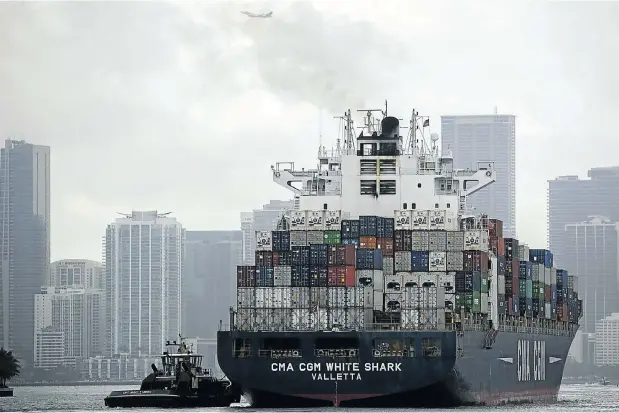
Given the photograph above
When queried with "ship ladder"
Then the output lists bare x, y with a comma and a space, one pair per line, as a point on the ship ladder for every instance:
490, 338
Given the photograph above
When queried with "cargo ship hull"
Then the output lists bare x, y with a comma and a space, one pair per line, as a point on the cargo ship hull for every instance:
518, 367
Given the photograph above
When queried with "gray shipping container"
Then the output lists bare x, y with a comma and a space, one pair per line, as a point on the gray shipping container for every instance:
365, 278
455, 261
455, 241
403, 261
535, 272
388, 268
298, 238
315, 237
282, 276
421, 240
437, 241
318, 297
300, 297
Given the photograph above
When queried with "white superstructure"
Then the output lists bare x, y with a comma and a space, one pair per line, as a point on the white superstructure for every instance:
381, 171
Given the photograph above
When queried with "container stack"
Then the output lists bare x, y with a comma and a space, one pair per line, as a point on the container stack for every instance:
419, 269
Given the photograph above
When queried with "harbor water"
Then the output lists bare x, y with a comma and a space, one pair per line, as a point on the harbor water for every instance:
572, 398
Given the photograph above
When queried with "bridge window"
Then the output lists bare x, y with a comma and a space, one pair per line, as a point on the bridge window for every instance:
413, 206
384, 347
241, 348
337, 347
280, 347
367, 166
419, 185
435, 205
431, 347
404, 205
448, 205
387, 167
368, 187
387, 187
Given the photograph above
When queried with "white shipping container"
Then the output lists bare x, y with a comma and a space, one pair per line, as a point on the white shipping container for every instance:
388, 266
298, 238
523, 252
402, 219
264, 297
437, 261
379, 280
547, 311
455, 241
379, 301
300, 297
282, 276
427, 279
553, 276
409, 279
411, 297
245, 318
501, 284
476, 240
431, 297
403, 261
420, 240
301, 319
432, 319
337, 297
282, 319
364, 278
333, 220
393, 302
315, 221
354, 296
437, 241
336, 317
454, 261
318, 319
282, 297
298, 220
547, 276
315, 237
447, 281
246, 297
436, 219
318, 297
410, 319
264, 319
451, 221
393, 283
419, 219
264, 241
484, 303
368, 297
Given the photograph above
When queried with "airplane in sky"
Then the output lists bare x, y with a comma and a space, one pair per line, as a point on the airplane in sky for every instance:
260, 16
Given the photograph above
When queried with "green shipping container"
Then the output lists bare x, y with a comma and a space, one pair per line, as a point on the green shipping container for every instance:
476, 309
484, 283
468, 302
332, 237
535, 286
529, 287
459, 300
540, 292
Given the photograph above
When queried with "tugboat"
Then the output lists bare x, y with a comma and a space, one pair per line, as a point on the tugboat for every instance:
182, 382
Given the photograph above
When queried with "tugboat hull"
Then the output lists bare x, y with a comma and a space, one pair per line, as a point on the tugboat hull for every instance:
166, 399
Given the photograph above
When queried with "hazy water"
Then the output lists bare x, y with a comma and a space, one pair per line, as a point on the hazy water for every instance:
573, 398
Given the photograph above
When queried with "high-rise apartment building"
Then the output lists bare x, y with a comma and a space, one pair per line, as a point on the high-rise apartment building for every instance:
24, 241
607, 341
77, 314
591, 255
486, 138
144, 253
264, 219
209, 280
86, 274
572, 200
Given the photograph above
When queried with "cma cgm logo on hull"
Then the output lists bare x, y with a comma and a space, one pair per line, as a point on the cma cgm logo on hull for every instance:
531, 360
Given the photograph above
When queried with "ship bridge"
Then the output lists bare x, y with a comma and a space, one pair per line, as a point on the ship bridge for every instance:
380, 171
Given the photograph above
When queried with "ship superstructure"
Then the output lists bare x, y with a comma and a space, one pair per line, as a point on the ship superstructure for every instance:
381, 289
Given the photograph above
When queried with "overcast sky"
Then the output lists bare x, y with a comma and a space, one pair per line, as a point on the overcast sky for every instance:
183, 107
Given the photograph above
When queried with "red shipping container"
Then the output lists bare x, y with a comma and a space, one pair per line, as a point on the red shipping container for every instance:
332, 278
501, 246
386, 246
510, 306
349, 255
275, 259
367, 242
516, 267
349, 276
341, 276
547, 294
515, 284
495, 228
476, 261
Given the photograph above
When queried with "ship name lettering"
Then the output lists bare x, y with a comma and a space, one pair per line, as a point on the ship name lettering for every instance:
281, 367
336, 376
383, 367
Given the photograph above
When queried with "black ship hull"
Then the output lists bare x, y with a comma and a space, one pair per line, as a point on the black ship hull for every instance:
517, 367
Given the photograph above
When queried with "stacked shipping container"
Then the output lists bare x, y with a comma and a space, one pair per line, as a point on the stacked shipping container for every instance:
421, 269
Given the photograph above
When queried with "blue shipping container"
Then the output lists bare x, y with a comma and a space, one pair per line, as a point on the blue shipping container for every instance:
318, 276
318, 254
541, 256
368, 225
420, 260
553, 293
562, 278
350, 241
300, 275
526, 270
281, 241
476, 279
384, 228
369, 259
350, 228
265, 276
516, 303
300, 256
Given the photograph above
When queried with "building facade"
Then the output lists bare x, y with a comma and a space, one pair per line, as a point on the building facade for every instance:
24, 241
78, 315
607, 341
486, 138
264, 219
85, 274
591, 254
144, 255
209, 281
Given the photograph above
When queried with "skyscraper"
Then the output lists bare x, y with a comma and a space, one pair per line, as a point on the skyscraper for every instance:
264, 219
209, 280
486, 138
144, 253
572, 200
24, 241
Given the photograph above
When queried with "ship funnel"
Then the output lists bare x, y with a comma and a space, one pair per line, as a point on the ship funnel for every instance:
390, 127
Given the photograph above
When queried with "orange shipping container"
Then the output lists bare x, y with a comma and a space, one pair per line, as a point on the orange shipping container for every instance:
367, 242
341, 276
385, 245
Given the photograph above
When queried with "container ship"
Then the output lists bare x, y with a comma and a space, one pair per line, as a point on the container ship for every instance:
380, 288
